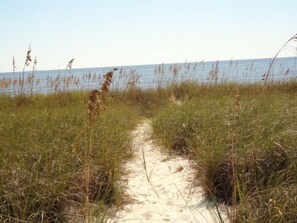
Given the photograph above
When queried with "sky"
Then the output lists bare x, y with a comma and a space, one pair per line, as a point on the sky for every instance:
101, 33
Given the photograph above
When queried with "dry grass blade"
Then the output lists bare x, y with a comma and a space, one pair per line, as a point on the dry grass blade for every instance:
237, 100
293, 38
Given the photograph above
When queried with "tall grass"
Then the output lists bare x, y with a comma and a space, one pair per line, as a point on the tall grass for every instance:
244, 143
147, 102
59, 164
96, 105
55, 169
42, 168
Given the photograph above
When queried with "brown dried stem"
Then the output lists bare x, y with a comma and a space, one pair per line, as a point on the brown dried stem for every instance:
96, 105
97, 98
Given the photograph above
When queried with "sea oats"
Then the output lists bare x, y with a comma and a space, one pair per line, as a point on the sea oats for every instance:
28, 57
97, 98
69, 65
13, 64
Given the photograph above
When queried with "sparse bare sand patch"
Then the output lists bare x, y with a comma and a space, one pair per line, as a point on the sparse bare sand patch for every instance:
160, 187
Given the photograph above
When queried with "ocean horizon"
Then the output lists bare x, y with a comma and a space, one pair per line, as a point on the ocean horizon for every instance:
243, 71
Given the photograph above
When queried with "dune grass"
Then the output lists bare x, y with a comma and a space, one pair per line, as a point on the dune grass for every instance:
243, 141
146, 102
43, 139
59, 163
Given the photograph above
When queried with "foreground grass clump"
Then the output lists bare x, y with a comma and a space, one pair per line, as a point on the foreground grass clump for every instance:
244, 141
42, 156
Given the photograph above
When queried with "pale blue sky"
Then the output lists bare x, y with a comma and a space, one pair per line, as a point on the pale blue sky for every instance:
129, 32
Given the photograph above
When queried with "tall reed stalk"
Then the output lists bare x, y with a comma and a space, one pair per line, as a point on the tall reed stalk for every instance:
31, 78
13, 64
293, 38
96, 105
26, 64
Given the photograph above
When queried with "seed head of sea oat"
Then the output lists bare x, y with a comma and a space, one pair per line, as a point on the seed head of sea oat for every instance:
97, 98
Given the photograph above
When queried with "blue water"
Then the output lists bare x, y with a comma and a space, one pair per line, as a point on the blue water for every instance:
151, 76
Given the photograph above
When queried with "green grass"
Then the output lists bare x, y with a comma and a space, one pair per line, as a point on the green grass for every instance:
242, 140
42, 156
245, 153
147, 102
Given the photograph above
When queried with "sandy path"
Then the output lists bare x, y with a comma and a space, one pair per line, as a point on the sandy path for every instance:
160, 189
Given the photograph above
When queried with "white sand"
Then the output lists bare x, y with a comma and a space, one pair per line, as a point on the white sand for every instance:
162, 192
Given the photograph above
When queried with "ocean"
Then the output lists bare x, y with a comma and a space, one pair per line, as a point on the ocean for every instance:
248, 71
